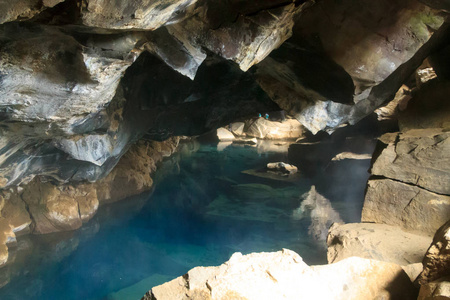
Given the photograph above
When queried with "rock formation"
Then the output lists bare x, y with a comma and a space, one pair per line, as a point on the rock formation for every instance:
92, 92
375, 241
284, 275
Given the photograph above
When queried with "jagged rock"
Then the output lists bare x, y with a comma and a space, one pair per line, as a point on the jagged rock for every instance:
7, 236
30, 69
436, 263
390, 111
428, 108
247, 40
284, 274
321, 212
424, 75
438, 290
237, 128
407, 206
15, 211
23, 9
141, 14
265, 129
224, 135
377, 74
416, 157
372, 36
375, 241
281, 167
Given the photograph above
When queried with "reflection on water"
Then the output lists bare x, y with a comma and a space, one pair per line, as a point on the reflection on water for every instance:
202, 210
320, 211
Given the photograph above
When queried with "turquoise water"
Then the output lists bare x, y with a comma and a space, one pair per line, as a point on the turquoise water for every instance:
202, 209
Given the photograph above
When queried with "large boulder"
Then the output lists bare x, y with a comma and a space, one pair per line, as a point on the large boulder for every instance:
284, 275
375, 241
407, 206
436, 263
271, 130
410, 183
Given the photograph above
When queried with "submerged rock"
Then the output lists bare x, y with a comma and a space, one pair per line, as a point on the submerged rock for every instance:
375, 241
322, 214
284, 274
282, 168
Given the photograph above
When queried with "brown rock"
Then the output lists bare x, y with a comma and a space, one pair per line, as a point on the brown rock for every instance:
436, 263
51, 208
375, 241
224, 135
132, 175
436, 290
407, 206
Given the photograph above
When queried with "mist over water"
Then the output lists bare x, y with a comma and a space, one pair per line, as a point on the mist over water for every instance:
202, 209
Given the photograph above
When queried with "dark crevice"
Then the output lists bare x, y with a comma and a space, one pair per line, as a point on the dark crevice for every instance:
380, 177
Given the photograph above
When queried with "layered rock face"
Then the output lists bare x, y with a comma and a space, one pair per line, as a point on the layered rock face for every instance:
410, 179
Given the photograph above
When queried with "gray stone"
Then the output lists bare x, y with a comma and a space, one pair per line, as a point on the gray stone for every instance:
407, 206
375, 241
141, 14
417, 157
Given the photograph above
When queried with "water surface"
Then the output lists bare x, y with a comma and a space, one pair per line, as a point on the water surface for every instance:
202, 209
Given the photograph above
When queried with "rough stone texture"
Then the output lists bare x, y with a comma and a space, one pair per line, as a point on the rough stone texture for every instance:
141, 14
6, 236
132, 175
284, 275
54, 208
429, 108
436, 290
375, 241
14, 211
404, 205
247, 40
436, 263
359, 39
23, 9
391, 110
417, 157
270, 130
